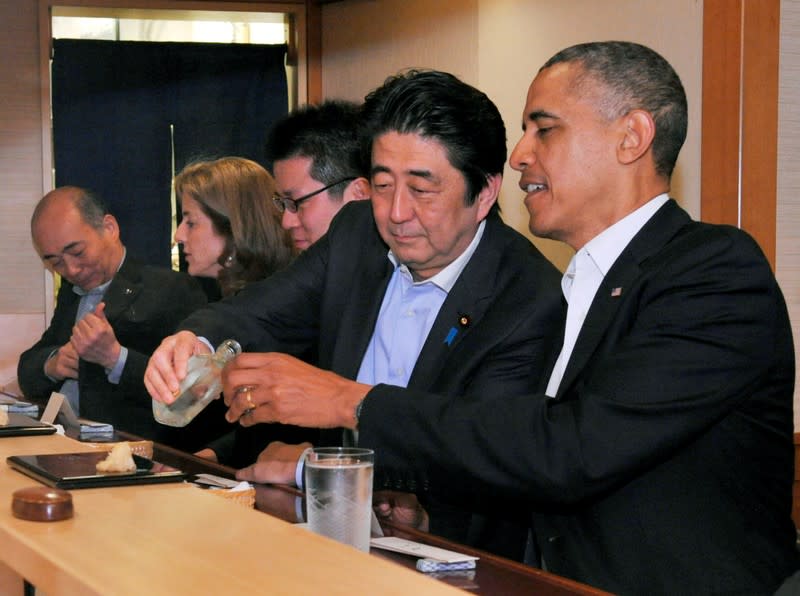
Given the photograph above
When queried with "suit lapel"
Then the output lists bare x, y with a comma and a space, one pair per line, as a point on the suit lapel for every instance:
365, 293
463, 308
123, 291
617, 285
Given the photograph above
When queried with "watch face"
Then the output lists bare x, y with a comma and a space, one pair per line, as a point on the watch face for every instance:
359, 407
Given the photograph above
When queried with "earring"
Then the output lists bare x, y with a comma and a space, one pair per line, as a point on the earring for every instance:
229, 261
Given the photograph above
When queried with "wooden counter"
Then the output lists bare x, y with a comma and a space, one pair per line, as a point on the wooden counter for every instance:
177, 539
493, 574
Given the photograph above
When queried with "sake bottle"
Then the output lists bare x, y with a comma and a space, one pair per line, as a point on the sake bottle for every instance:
203, 383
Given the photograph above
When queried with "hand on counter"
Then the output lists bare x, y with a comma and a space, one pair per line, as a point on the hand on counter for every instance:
400, 508
276, 464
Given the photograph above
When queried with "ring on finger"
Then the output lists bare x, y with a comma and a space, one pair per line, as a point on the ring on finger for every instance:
248, 397
250, 405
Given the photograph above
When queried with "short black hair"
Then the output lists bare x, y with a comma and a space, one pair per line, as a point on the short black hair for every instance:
637, 77
439, 106
327, 133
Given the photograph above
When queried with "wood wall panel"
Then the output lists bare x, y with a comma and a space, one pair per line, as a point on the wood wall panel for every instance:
719, 178
759, 161
740, 116
314, 47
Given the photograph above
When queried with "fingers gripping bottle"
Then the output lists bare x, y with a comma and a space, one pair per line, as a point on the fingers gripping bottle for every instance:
203, 383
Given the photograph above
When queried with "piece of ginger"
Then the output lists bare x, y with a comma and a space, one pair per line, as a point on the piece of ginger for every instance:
120, 459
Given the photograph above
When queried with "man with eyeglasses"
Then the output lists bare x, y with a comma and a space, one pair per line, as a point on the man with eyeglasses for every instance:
315, 161
423, 287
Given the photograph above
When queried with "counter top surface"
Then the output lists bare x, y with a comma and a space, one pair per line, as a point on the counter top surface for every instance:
176, 538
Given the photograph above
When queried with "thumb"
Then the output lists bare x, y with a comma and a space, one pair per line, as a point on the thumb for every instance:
100, 310
247, 473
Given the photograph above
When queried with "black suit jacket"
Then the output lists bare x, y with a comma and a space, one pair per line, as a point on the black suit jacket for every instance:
665, 463
328, 300
143, 305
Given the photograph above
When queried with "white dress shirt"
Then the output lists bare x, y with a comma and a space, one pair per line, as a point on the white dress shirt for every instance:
585, 273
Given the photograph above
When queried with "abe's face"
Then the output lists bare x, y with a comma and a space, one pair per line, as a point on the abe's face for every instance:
84, 256
293, 180
418, 199
566, 157
202, 245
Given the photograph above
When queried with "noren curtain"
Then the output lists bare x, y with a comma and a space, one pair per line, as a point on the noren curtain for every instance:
118, 107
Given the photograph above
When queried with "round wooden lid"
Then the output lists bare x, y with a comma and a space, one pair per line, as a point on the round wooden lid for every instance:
41, 503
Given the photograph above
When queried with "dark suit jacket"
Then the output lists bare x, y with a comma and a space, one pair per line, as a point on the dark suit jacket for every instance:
143, 305
329, 300
664, 465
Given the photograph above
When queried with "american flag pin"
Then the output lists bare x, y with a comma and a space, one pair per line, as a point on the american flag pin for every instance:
616, 292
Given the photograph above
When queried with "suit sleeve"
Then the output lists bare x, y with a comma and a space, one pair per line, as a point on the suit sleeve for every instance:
30, 368
280, 313
177, 297
704, 329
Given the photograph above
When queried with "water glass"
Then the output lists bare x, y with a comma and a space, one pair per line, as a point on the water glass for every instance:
338, 484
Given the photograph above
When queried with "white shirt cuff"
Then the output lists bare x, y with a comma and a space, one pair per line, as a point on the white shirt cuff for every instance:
115, 373
300, 468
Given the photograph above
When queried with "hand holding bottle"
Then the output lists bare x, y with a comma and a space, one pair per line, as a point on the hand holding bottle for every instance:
168, 365
201, 384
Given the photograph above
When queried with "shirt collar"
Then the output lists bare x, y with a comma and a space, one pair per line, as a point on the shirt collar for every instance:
609, 244
447, 277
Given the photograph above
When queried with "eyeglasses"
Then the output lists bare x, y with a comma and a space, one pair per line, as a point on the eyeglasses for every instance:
291, 205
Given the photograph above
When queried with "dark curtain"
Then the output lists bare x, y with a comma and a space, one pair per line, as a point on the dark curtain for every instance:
119, 105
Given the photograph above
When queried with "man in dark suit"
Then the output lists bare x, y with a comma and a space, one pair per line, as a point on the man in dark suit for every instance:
659, 458
423, 287
110, 314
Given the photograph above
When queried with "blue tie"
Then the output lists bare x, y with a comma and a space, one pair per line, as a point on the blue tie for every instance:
89, 301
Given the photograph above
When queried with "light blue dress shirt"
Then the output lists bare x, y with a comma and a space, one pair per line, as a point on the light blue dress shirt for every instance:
407, 314
89, 301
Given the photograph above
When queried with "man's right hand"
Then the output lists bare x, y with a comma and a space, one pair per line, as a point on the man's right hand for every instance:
63, 364
277, 464
167, 366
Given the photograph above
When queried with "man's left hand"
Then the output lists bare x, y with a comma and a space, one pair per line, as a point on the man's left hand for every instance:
94, 339
276, 464
274, 387
400, 508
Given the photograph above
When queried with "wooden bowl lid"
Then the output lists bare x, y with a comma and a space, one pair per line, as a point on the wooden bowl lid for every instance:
41, 503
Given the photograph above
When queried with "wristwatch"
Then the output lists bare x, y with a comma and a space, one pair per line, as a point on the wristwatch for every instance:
358, 411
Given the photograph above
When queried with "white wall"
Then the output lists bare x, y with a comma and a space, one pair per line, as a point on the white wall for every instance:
498, 45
